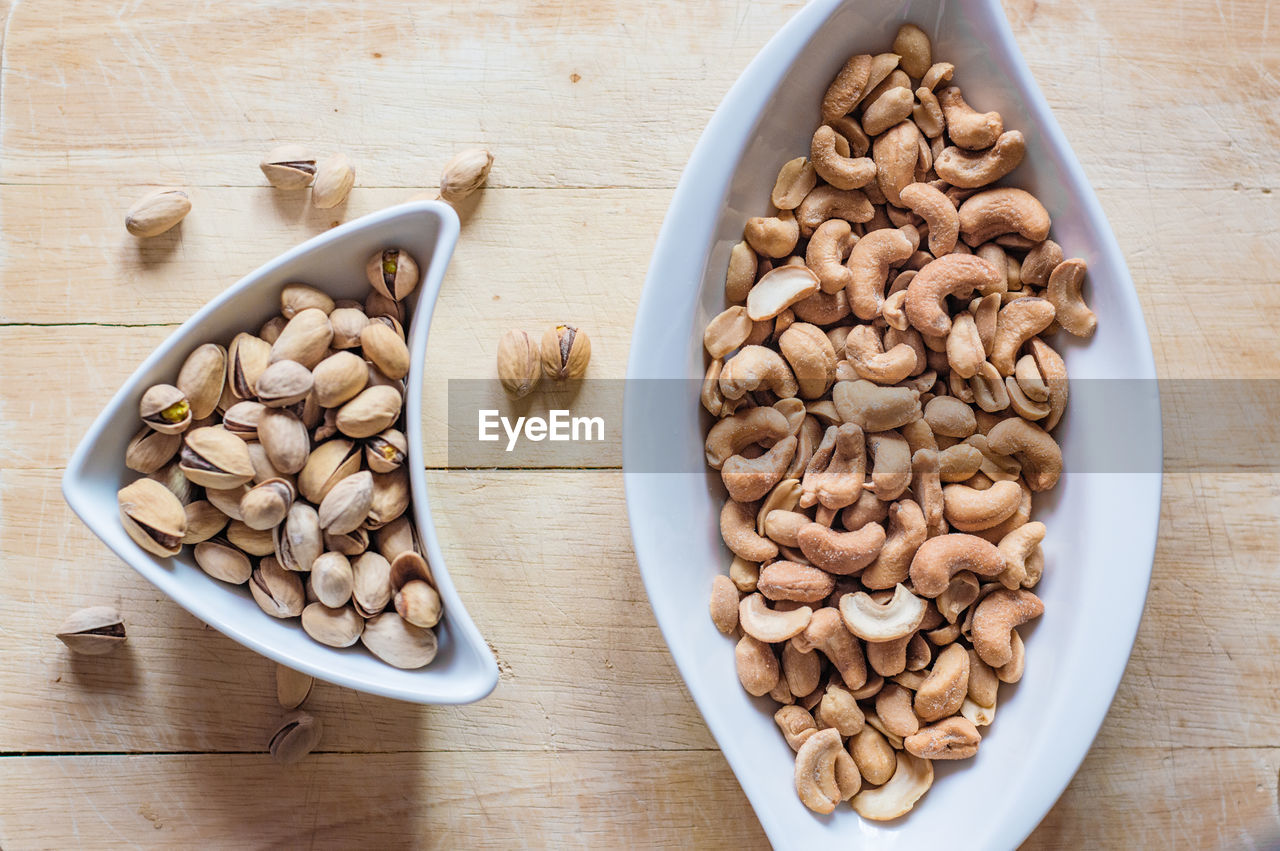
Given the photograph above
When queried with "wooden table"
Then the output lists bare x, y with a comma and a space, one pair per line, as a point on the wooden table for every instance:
591, 108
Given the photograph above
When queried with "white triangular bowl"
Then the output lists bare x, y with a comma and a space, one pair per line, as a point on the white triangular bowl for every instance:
465, 670
1102, 526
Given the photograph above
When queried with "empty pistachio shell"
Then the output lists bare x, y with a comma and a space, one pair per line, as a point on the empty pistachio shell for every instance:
149, 450
215, 458
390, 497
295, 298
346, 505
247, 357
395, 538
277, 591
92, 631
371, 584
566, 351
289, 167
266, 505
519, 364
397, 642
385, 349
227, 500
332, 579
373, 410
347, 324
378, 303
339, 377
419, 604
464, 174
285, 382
292, 687
349, 544
204, 520
270, 330
305, 339
284, 437
296, 737
157, 212
165, 408
327, 428
255, 542
339, 627
328, 464
221, 560
392, 273
153, 516
334, 178
386, 451
297, 540
201, 378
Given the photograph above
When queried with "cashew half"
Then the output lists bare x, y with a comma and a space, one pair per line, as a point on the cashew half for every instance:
828, 248
757, 666
839, 171
967, 127
994, 621
847, 88
911, 779
841, 553
741, 273
1054, 373
795, 180
1040, 263
800, 583
811, 356
893, 708
869, 360
840, 709
729, 436
1035, 448
951, 275
941, 558
943, 691
871, 621
1064, 293
951, 738
816, 771
724, 604
873, 754
873, 407
907, 532
895, 152
749, 479
970, 510
1017, 548
822, 308
995, 212
779, 289
869, 263
796, 724
770, 625
1016, 323
772, 236
891, 464
938, 212
926, 487
890, 107
970, 170
755, 368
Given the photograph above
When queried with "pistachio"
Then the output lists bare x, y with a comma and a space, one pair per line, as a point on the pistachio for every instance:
215, 458
270, 330
338, 378
201, 378
289, 167
297, 541
464, 174
309, 411
154, 518
263, 469
371, 589
399, 643
340, 627
397, 537
296, 737
93, 631
247, 357
392, 273
227, 500
277, 591
284, 383
390, 497
386, 451
295, 298
165, 408
175, 481
328, 464
292, 687
328, 426
255, 542
350, 544
204, 520
242, 418
285, 439
519, 364
265, 506
409, 566
157, 212
565, 352
378, 303
334, 178
377, 379
149, 450
221, 560
374, 409
305, 338
385, 349
419, 604
346, 505
332, 579
347, 324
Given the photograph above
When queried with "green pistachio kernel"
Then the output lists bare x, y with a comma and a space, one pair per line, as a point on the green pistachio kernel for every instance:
176, 413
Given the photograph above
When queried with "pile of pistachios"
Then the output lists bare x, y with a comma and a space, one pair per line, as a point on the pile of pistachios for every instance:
280, 459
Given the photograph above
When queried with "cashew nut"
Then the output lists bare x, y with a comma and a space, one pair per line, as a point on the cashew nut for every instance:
841, 553
869, 263
737, 528
895, 152
911, 779
873, 755
976, 714
926, 487
749, 479
724, 604
873, 407
828, 248
891, 467
802, 671
944, 689
971, 510
1018, 322
892, 308
889, 658
950, 417
986, 311
965, 352
1017, 548
847, 88
1029, 379
983, 683
1021, 404
840, 710
816, 771
871, 621
960, 593
951, 738
938, 213
950, 275
987, 389
770, 625
810, 435
893, 708
969, 170
826, 202
958, 463
907, 532
811, 357
1040, 263
994, 621
757, 666
727, 331
886, 110
796, 724
755, 368
927, 114
1012, 672
967, 127
743, 574
1035, 448
995, 212
1019, 518
870, 361
779, 289
822, 308
801, 583
795, 179
941, 558
839, 171
784, 497
772, 236
1054, 372
826, 633
1064, 293
729, 436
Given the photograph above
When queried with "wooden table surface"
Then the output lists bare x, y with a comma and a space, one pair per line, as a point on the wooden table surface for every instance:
591, 109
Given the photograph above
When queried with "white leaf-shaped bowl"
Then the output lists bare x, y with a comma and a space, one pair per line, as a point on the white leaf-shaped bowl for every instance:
464, 670
1102, 525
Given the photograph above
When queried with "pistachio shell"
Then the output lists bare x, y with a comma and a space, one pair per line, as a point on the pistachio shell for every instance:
328, 464
346, 505
399, 643
221, 560
165, 408
201, 378
295, 298
172, 477
242, 419
566, 351
379, 304
227, 500
154, 518
408, 566
149, 450
352, 543
338, 378
464, 174
284, 383
215, 458
375, 409
277, 591
296, 737
204, 520
292, 687
266, 505
157, 212
297, 541
270, 330
392, 273
385, 349
347, 324
371, 588
92, 631
305, 338
390, 497
263, 469
247, 357
289, 167
332, 579
328, 426
255, 542
285, 439
419, 604
334, 178
334, 627
377, 379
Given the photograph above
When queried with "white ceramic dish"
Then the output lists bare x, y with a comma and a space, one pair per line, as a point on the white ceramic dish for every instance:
1102, 527
465, 669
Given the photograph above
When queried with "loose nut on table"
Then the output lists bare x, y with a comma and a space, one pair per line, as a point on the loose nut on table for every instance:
333, 181
297, 736
157, 212
93, 631
464, 174
519, 363
292, 687
566, 351
289, 167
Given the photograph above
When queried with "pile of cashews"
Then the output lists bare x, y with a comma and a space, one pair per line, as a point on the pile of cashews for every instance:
884, 400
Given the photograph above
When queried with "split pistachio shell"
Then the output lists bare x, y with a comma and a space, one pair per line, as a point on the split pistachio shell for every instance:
292, 687
284, 383
305, 339
373, 410
349, 544
328, 464
165, 408
289, 167
222, 561
385, 349
378, 303
347, 504
339, 627
395, 538
464, 174
215, 458
255, 542
334, 178
242, 419
295, 298
277, 591
285, 439
296, 737
327, 428
392, 273
93, 631
263, 469
390, 497
204, 520
419, 604
201, 378
332, 579
172, 477
157, 212
149, 450
154, 518
297, 541
399, 643
566, 351
407, 567
386, 451
266, 505
338, 378
371, 585
227, 500
247, 357
270, 330
347, 324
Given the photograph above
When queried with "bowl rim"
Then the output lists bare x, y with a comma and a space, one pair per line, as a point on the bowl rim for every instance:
79, 497
684, 243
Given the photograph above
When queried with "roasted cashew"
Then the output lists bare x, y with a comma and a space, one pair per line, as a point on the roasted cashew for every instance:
926, 487
756, 368
948, 416
741, 273
783, 527
826, 633
967, 127
828, 248
867, 509
976, 714
907, 531
1018, 322
871, 621
840, 172
841, 553
727, 331
983, 683
1035, 449
941, 558
927, 114
888, 108
749, 479
757, 666
891, 464
958, 463
772, 236
1029, 379
801, 583
1019, 518
895, 152
737, 528
893, 307
969, 170
743, 575
847, 88
711, 397
994, 212
938, 73
770, 625
965, 352
1012, 671
1017, 548
911, 779
869, 263
971, 510
1054, 372
729, 436
810, 435
986, 311
840, 710
869, 360
873, 754
893, 708
950, 738
944, 689
1040, 263
960, 593
994, 620
724, 604
795, 180
802, 671
938, 213
987, 389
822, 308
826, 202
950, 275
1023, 406
889, 658
811, 357
912, 44
873, 407
835, 472
816, 771
1064, 294
780, 288
796, 724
